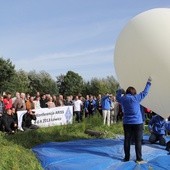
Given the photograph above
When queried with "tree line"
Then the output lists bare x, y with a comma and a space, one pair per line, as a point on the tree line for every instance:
12, 80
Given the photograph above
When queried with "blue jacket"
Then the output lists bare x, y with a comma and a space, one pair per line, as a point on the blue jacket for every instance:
131, 105
167, 126
106, 103
157, 125
86, 103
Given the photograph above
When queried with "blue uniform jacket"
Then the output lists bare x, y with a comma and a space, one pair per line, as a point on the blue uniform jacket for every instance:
157, 125
131, 105
106, 103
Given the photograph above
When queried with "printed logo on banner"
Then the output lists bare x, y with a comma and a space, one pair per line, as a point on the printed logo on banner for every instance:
68, 115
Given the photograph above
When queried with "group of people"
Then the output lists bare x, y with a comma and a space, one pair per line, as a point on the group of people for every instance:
126, 103
106, 105
82, 107
8, 112
9, 106
133, 121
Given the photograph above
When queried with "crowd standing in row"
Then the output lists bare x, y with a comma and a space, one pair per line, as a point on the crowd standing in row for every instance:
106, 106
125, 105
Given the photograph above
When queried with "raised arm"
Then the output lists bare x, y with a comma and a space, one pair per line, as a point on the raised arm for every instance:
144, 93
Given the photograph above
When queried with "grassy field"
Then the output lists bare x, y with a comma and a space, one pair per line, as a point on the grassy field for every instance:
16, 151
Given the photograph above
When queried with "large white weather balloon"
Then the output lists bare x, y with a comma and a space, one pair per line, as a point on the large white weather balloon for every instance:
143, 50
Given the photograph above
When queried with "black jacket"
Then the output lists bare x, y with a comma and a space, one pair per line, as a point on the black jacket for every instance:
8, 122
43, 103
27, 120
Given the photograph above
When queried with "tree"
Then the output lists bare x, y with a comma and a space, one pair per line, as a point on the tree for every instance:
7, 71
42, 82
60, 83
19, 82
86, 88
101, 86
71, 84
48, 85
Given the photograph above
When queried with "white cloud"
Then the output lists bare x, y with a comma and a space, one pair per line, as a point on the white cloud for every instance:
59, 63
66, 57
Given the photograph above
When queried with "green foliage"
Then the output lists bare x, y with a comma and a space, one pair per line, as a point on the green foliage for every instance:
70, 84
16, 157
42, 82
16, 151
101, 86
19, 82
60, 83
7, 71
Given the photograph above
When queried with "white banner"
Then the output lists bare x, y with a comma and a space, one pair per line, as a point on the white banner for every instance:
50, 117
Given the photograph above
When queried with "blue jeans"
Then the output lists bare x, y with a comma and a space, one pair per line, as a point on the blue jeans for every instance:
136, 131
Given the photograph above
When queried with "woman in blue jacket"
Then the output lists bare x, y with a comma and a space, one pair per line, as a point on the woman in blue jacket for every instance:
132, 119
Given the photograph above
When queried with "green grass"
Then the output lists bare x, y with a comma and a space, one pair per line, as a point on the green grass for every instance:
16, 151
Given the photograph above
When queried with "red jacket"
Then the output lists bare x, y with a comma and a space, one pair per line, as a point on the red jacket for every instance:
7, 103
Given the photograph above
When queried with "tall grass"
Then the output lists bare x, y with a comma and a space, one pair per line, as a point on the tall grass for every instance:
16, 151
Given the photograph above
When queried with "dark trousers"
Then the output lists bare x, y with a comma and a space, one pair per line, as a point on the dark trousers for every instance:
78, 116
1, 126
155, 137
100, 111
135, 130
86, 114
32, 127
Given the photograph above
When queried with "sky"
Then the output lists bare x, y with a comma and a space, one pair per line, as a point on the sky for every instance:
62, 35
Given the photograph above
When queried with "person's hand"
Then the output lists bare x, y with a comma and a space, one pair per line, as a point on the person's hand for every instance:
122, 91
150, 130
150, 79
32, 113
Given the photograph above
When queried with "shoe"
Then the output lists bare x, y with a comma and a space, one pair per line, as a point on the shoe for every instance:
125, 160
143, 142
168, 149
141, 162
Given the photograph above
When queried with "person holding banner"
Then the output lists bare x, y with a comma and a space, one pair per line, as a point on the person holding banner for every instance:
132, 119
27, 120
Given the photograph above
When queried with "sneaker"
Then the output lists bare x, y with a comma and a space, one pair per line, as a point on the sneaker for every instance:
141, 162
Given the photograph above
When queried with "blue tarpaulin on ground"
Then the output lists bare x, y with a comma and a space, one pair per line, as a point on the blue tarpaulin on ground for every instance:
99, 154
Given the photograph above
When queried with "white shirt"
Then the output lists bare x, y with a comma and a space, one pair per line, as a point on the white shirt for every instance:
37, 104
77, 105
